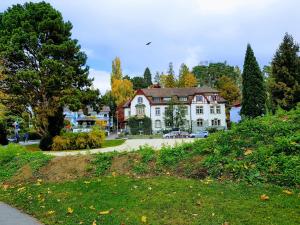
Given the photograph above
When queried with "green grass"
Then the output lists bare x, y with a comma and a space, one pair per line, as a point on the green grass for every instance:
163, 200
106, 144
152, 136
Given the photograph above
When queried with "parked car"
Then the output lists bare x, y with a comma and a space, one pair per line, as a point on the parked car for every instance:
200, 134
176, 134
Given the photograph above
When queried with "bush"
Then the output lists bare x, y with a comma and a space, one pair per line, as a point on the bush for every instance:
137, 124
46, 143
77, 141
147, 153
102, 162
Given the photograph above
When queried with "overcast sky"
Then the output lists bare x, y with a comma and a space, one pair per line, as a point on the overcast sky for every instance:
181, 31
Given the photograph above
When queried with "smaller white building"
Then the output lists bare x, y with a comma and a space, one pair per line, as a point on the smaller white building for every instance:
203, 106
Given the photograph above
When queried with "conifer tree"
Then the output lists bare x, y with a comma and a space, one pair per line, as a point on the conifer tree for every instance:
285, 88
169, 81
148, 77
254, 95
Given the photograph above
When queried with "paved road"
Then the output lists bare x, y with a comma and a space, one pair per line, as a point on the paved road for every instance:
12, 216
129, 145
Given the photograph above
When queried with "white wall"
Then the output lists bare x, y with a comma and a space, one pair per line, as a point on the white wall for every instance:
134, 102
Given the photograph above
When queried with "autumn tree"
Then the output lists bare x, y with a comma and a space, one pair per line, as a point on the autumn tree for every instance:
43, 66
183, 71
116, 70
285, 74
228, 90
122, 91
168, 80
147, 77
174, 116
254, 94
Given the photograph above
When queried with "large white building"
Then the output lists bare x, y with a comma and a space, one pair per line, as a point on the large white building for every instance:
204, 107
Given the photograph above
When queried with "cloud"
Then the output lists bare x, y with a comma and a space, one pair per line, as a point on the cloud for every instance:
101, 80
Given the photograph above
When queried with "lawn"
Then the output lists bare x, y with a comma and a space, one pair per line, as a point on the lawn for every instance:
158, 200
107, 143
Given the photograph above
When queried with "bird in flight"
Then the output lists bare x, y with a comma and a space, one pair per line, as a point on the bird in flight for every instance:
149, 43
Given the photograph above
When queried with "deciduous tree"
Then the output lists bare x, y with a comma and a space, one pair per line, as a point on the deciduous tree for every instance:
116, 70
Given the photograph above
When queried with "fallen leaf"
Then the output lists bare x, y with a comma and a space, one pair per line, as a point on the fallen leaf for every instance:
92, 207
105, 212
86, 182
94, 222
21, 189
287, 192
114, 174
5, 187
248, 152
70, 210
264, 197
225, 223
51, 212
144, 219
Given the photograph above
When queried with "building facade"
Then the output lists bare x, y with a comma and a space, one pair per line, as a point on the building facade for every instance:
204, 108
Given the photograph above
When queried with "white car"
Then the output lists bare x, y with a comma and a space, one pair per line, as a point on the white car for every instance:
176, 134
200, 134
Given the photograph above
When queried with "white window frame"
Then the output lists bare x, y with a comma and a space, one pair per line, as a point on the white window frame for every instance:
157, 111
199, 109
212, 109
200, 122
218, 109
182, 99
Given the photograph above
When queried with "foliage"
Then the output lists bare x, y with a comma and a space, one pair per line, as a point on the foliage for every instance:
122, 90
139, 124
148, 77
285, 88
157, 78
138, 83
174, 116
102, 162
186, 78
209, 75
13, 157
43, 66
116, 71
254, 94
228, 89
147, 153
76, 141
171, 156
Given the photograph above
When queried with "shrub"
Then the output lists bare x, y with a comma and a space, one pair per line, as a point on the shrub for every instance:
170, 156
77, 141
147, 153
137, 124
102, 162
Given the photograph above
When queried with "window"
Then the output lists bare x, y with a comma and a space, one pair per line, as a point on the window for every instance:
214, 97
140, 111
218, 109
182, 99
212, 109
199, 110
157, 111
167, 99
185, 109
216, 122
156, 99
199, 98
199, 122
140, 100
157, 124
129, 112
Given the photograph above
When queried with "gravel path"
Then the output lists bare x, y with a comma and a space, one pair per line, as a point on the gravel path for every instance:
12, 216
129, 145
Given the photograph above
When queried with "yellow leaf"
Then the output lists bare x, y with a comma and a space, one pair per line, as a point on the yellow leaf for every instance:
92, 207
94, 222
248, 152
264, 197
21, 189
86, 182
114, 174
5, 187
50, 212
287, 192
144, 219
104, 212
70, 210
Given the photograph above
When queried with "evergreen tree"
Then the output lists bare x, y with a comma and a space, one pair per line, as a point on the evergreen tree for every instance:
169, 80
157, 78
183, 72
148, 77
285, 89
254, 95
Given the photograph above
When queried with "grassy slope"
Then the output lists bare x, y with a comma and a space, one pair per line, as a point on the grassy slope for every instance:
163, 200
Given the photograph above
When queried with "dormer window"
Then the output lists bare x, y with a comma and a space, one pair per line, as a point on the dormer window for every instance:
214, 97
182, 99
167, 99
156, 99
199, 98
140, 100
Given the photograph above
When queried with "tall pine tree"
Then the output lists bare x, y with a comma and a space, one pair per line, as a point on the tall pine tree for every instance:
254, 94
148, 77
285, 88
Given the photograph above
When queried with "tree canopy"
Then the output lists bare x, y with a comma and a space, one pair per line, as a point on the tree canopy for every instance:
285, 74
43, 66
253, 93
147, 77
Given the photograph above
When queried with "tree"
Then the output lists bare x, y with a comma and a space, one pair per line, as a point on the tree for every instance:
148, 77
175, 115
122, 91
209, 75
228, 90
138, 83
43, 66
183, 71
157, 78
116, 70
285, 89
254, 94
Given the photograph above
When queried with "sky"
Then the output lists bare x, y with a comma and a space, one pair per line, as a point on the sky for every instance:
181, 31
